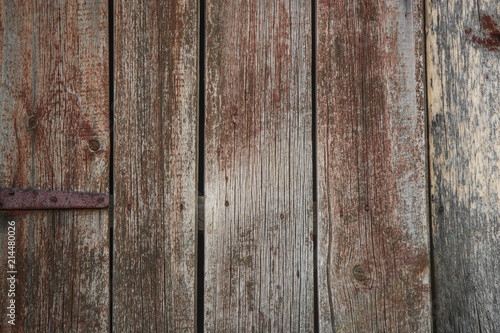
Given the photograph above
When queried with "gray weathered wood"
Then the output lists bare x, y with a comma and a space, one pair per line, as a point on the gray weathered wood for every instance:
54, 100
373, 254
258, 222
155, 229
463, 79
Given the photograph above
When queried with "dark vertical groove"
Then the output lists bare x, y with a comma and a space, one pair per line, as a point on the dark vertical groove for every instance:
429, 195
201, 106
313, 78
201, 167
111, 154
201, 285
314, 165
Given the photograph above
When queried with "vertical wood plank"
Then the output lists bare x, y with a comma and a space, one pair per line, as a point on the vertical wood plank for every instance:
258, 218
463, 57
54, 99
156, 98
373, 254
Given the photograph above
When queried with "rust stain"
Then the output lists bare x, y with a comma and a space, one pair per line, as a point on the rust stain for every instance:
84, 129
16, 199
489, 27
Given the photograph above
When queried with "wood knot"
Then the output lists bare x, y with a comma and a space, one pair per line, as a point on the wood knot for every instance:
32, 122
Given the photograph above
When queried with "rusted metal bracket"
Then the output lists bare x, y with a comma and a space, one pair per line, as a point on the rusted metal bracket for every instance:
25, 198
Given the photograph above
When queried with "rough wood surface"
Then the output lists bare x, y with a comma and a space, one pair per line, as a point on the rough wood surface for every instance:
463, 80
258, 208
54, 100
373, 254
155, 227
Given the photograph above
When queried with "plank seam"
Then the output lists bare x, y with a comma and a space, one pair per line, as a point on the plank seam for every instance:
111, 155
428, 181
200, 296
314, 166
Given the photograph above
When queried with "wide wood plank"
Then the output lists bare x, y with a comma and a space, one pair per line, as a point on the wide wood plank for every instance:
258, 208
54, 134
373, 253
155, 226
463, 77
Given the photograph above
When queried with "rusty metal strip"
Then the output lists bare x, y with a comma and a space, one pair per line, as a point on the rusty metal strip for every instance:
23, 198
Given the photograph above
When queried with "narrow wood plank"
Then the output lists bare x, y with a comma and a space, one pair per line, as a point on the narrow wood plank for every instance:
258, 223
155, 229
463, 57
54, 100
373, 254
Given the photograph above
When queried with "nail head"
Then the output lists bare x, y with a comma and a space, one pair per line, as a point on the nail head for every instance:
359, 273
94, 145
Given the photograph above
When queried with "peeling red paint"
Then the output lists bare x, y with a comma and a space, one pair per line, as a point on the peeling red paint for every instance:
489, 27
371, 155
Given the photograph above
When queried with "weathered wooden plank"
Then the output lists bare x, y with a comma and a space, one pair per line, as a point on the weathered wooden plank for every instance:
54, 100
463, 80
373, 255
258, 222
156, 98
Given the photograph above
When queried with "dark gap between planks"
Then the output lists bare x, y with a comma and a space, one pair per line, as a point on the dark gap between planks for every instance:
429, 198
314, 166
111, 154
201, 172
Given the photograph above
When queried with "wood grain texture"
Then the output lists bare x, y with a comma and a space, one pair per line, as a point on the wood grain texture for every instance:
373, 253
463, 80
155, 229
258, 208
54, 99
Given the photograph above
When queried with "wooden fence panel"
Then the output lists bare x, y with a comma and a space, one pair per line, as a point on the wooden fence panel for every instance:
373, 254
54, 134
463, 58
258, 222
155, 133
